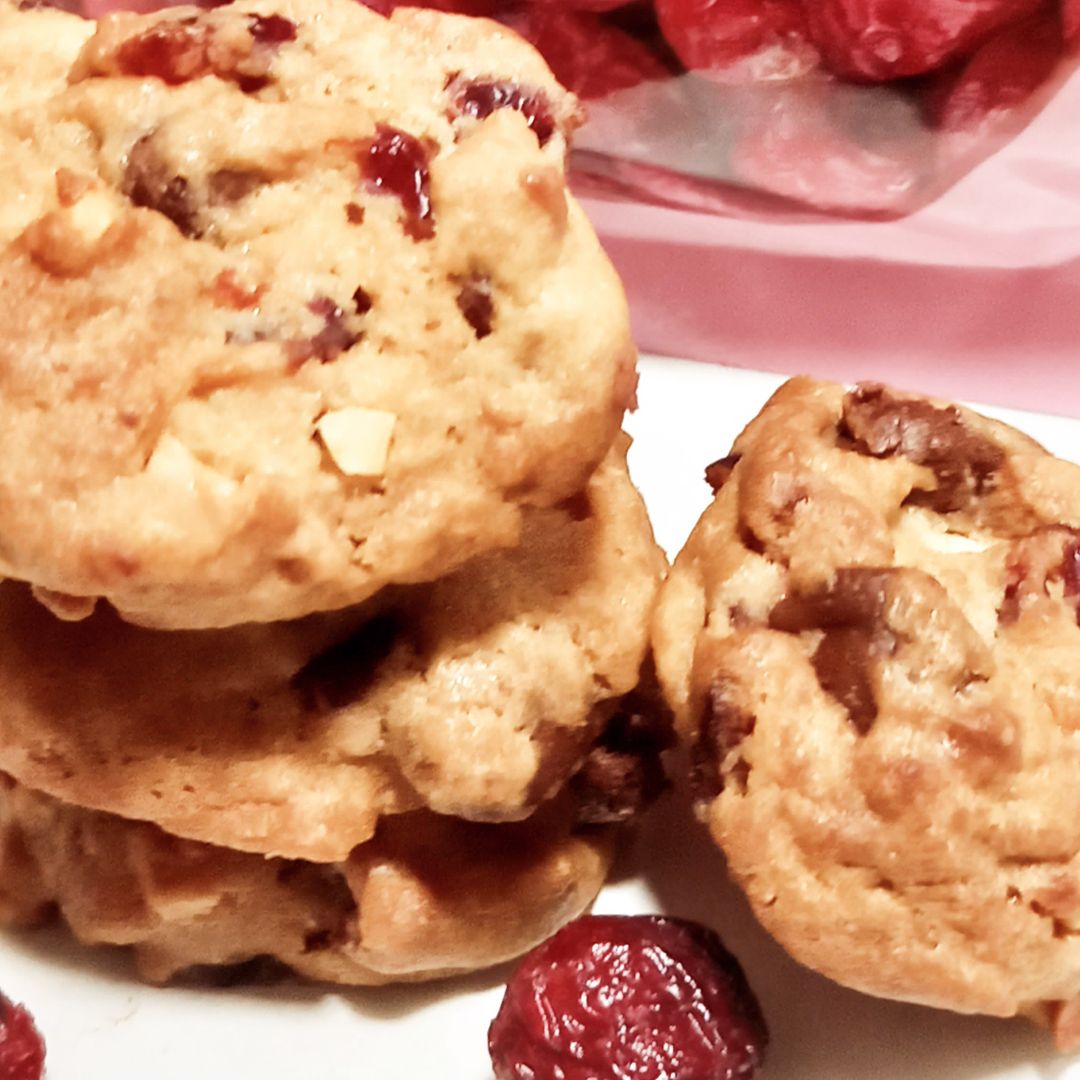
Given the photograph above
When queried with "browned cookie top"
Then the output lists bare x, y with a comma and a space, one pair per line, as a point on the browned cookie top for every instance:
871, 643
295, 305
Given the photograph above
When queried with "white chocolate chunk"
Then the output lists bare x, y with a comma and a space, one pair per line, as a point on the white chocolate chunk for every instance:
358, 439
92, 215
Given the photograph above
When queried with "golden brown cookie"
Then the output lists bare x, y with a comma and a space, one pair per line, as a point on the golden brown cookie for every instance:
429, 896
296, 305
477, 695
870, 642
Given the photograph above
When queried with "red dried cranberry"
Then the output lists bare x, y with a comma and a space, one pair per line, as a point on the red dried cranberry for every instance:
174, 51
329, 343
475, 303
612, 997
1070, 568
460, 7
396, 163
22, 1050
481, 97
1070, 20
877, 40
271, 29
597, 6
362, 300
1000, 77
228, 291
588, 56
739, 40
179, 50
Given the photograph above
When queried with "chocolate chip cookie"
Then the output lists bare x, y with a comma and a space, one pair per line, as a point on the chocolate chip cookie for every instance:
870, 642
478, 695
296, 305
429, 896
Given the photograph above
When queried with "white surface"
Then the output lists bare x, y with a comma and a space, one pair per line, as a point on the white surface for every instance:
102, 1025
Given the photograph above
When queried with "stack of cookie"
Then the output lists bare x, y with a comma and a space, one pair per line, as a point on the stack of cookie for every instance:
327, 581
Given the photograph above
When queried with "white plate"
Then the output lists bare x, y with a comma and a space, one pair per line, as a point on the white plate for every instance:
102, 1025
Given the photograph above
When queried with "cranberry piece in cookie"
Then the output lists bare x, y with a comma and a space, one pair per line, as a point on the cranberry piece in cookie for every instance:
619, 996
396, 163
481, 97
180, 50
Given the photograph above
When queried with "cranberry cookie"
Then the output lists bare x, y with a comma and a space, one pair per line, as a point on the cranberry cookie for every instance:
477, 695
427, 897
295, 305
871, 644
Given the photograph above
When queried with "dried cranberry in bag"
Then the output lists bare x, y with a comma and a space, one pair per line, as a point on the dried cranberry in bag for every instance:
879, 40
589, 56
999, 78
739, 40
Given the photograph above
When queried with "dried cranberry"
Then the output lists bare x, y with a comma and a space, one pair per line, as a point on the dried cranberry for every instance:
460, 7
22, 1051
179, 50
475, 303
584, 5
588, 56
228, 291
1070, 568
362, 300
175, 51
329, 343
1001, 76
876, 40
611, 997
271, 29
481, 97
396, 163
1070, 20
739, 40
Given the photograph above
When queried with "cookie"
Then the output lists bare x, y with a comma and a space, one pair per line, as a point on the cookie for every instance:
477, 695
296, 306
870, 644
427, 897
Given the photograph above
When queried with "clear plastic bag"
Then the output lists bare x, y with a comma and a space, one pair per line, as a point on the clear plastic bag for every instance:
776, 128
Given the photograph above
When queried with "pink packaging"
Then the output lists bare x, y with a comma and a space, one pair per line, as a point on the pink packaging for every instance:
976, 295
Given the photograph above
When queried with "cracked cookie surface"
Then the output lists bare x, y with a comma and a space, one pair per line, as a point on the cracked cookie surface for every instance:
870, 645
478, 695
296, 306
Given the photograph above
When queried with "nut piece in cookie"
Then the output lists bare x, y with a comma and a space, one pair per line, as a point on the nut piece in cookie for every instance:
869, 642
296, 306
